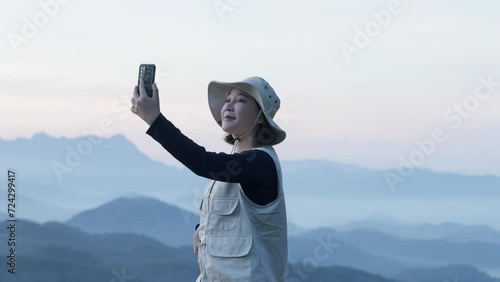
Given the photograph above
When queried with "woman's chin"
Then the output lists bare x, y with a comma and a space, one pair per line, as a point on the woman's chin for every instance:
227, 129
231, 132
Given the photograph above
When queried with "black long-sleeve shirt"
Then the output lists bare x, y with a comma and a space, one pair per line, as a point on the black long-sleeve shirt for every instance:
253, 169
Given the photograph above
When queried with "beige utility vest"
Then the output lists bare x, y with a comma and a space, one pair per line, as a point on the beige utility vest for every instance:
240, 240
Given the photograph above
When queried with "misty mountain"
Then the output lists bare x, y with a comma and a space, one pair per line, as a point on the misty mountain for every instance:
71, 175
56, 252
120, 247
425, 253
294, 230
166, 223
74, 174
344, 180
452, 273
101, 158
299, 272
174, 227
448, 231
59, 253
336, 252
370, 251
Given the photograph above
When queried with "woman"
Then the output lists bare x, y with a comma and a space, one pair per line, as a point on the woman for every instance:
242, 235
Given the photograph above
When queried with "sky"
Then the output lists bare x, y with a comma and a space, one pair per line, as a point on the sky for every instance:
373, 83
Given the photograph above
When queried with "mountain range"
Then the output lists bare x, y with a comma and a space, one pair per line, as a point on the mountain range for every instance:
57, 252
452, 232
166, 223
360, 247
70, 175
111, 202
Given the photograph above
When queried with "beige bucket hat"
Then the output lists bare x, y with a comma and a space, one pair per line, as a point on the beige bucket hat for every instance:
256, 87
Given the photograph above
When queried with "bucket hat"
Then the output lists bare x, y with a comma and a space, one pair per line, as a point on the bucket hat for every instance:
259, 89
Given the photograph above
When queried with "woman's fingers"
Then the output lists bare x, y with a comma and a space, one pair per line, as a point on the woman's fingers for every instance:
155, 91
136, 92
142, 88
145, 107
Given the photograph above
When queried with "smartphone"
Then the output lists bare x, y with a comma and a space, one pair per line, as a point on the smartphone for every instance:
147, 73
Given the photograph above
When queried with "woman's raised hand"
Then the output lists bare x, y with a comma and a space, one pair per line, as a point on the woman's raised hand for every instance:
147, 108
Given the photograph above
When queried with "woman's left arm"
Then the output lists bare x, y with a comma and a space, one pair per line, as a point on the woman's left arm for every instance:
248, 166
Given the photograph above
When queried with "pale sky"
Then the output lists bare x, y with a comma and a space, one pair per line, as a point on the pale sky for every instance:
66, 66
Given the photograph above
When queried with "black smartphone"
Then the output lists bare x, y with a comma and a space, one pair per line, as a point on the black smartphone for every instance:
147, 73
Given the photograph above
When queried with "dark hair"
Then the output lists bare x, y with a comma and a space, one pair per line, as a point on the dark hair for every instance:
264, 135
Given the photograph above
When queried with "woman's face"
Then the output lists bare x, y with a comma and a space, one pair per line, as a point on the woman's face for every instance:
238, 112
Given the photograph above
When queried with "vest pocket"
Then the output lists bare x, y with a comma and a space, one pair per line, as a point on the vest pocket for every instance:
222, 214
224, 206
228, 258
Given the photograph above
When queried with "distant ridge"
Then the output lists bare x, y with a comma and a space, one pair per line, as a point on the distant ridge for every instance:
58, 253
451, 273
115, 168
164, 222
370, 250
416, 252
453, 232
